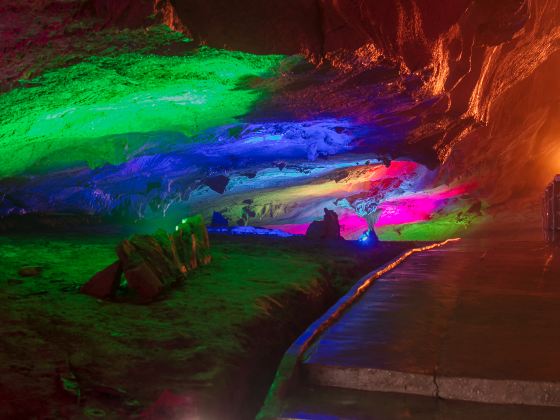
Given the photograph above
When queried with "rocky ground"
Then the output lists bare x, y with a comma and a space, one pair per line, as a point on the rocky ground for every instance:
208, 348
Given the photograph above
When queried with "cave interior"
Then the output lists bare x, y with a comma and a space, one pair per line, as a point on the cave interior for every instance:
414, 121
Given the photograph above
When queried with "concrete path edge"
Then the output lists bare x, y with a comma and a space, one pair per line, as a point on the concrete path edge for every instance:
289, 372
481, 390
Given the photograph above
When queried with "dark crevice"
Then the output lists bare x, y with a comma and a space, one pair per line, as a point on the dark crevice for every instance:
320, 19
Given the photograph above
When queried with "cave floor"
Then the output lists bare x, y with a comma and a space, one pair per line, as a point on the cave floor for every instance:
210, 346
476, 320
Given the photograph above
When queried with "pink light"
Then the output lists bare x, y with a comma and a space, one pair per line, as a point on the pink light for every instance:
351, 226
418, 207
411, 208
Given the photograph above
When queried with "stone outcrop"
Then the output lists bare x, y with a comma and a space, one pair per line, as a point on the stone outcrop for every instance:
326, 229
153, 263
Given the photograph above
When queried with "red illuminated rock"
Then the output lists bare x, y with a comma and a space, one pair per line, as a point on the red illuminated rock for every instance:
104, 284
144, 281
152, 263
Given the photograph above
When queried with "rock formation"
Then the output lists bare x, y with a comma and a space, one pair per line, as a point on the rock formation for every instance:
326, 229
489, 67
466, 91
153, 263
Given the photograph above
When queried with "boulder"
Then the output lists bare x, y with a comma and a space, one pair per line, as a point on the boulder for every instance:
155, 251
331, 225
315, 230
328, 228
104, 284
152, 263
144, 281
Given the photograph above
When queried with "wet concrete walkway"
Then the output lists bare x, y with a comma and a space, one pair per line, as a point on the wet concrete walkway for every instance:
474, 320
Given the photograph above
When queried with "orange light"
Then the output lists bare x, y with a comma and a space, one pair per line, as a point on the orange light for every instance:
362, 288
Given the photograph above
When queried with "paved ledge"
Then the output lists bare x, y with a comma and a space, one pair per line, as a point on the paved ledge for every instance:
310, 402
288, 374
473, 324
474, 321
500, 391
366, 379
465, 389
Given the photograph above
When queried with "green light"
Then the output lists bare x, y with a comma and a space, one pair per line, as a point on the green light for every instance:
438, 229
76, 112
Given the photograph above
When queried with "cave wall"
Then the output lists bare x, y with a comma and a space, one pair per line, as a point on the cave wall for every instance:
466, 89
518, 152
472, 53
492, 66
403, 29
514, 150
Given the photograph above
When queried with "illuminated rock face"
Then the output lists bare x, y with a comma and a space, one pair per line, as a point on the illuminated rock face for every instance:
415, 116
100, 109
484, 63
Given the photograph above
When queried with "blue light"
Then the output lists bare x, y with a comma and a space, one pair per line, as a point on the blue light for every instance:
368, 238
